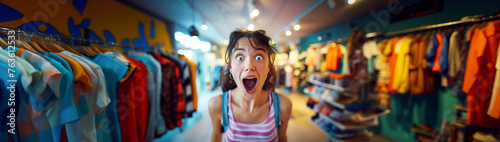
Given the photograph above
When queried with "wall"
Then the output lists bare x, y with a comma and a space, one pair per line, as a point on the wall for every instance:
430, 109
107, 20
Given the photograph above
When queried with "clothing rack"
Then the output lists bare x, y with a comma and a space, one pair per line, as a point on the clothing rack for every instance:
435, 26
73, 40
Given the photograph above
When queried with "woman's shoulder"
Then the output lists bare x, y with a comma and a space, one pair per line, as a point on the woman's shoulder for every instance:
214, 105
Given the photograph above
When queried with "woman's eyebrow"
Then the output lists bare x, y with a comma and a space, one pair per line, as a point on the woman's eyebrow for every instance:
236, 49
261, 49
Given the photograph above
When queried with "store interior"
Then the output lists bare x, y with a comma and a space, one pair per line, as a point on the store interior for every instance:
354, 70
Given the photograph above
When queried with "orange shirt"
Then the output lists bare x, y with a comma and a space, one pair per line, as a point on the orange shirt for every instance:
479, 75
333, 57
436, 66
82, 77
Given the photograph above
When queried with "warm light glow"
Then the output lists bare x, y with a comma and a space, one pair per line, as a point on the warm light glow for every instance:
251, 27
296, 27
192, 42
204, 27
288, 33
254, 13
351, 1
226, 42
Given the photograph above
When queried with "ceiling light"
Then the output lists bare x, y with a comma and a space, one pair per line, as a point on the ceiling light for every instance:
251, 27
351, 1
288, 33
226, 42
254, 13
296, 27
204, 27
320, 38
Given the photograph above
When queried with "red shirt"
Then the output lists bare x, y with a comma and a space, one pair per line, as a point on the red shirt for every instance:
133, 104
480, 73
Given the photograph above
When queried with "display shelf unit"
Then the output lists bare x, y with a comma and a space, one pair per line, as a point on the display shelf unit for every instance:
359, 137
350, 123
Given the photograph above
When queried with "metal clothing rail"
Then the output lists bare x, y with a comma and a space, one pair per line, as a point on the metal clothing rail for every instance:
77, 41
435, 26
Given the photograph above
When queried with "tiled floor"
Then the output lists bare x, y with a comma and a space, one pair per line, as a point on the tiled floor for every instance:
199, 128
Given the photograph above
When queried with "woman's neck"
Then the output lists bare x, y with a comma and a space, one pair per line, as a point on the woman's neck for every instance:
260, 99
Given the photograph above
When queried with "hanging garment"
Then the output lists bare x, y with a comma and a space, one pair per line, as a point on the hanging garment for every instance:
370, 51
494, 108
107, 122
154, 90
185, 81
40, 98
480, 73
417, 64
313, 58
430, 55
456, 41
192, 73
333, 57
392, 61
439, 50
132, 96
357, 62
172, 94
401, 73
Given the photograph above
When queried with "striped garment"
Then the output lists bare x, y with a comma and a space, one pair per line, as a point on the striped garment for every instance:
241, 131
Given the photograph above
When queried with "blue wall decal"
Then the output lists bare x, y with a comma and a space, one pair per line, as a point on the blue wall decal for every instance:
8, 13
152, 30
125, 42
80, 5
75, 29
109, 36
33, 26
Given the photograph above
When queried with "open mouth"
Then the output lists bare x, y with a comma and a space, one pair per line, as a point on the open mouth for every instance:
250, 84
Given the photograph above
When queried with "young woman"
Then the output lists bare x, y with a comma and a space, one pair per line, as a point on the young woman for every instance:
249, 82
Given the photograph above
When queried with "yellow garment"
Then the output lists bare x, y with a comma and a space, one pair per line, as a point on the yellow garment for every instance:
192, 70
401, 83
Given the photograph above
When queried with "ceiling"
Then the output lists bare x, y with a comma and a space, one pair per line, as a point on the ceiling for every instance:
276, 16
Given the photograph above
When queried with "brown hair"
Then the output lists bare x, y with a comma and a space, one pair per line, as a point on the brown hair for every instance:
260, 39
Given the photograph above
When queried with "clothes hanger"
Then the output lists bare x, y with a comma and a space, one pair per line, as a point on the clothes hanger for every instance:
53, 46
35, 45
25, 44
67, 47
3, 43
41, 44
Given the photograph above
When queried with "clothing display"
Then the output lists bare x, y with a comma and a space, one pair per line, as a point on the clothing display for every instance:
102, 96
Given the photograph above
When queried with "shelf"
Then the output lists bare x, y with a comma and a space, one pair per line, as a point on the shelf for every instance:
346, 100
351, 124
359, 137
359, 117
331, 86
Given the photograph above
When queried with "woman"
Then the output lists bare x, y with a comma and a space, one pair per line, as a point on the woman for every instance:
248, 82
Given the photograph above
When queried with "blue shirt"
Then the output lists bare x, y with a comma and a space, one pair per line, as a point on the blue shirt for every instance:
113, 71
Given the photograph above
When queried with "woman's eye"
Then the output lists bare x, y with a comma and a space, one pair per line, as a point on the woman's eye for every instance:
239, 58
258, 58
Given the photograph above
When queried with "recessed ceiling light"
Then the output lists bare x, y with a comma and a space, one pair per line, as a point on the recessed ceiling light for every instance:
251, 27
296, 27
254, 13
226, 42
320, 38
351, 1
204, 27
288, 33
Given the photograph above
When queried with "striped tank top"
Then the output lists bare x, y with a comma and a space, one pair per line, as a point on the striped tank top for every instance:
241, 131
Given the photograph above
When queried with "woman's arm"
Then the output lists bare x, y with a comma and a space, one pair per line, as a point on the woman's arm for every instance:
285, 113
215, 110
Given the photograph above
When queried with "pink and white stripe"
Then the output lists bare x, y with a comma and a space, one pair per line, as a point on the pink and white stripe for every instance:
241, 131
